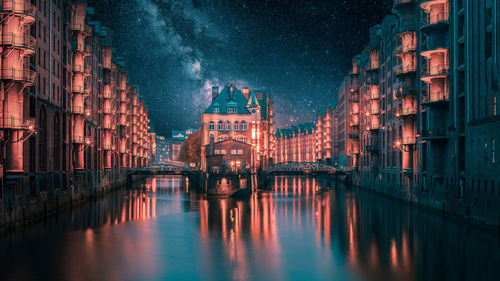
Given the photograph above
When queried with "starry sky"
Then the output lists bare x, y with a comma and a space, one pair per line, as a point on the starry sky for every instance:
299, 50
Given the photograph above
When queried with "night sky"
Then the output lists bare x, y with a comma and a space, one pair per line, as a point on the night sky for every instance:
177, 50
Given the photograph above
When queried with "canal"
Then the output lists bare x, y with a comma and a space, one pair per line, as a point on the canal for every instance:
305, 229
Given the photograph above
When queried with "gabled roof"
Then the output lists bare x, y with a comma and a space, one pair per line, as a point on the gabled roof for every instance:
223, 101
306, 127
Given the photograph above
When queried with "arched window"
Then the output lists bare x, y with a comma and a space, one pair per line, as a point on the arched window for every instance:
236, 126
228, 126
243, 126
220, 126
211, 126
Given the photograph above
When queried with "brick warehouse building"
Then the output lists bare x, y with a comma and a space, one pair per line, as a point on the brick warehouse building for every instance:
70, 122
417, 115
245, 116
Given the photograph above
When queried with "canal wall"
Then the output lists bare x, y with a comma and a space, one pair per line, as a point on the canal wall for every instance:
38, 196
438, 197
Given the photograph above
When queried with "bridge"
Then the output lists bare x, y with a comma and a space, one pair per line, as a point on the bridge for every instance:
304, 168
170, 168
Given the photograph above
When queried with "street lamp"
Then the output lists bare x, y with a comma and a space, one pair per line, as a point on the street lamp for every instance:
398, 145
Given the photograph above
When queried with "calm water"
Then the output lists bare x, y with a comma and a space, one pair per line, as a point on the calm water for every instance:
162, 230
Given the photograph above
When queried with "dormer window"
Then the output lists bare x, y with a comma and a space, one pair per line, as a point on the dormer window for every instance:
232, 110
216, 109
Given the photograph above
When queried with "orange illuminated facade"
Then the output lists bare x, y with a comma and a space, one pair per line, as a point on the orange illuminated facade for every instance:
70, 121
242, 115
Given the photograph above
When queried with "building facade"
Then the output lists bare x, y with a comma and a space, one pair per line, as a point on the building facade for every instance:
421, 104
70, 122
242, 115
297, 144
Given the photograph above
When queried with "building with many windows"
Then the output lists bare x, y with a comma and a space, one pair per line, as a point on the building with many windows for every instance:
241, 115
70, 121
421, 106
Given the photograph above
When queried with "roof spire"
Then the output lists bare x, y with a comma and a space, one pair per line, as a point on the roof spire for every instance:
252, 101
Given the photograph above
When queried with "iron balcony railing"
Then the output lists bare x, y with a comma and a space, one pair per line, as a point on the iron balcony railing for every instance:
406, 48
20, 75
83, 89
81, 27
405, 111
435, 96
87, 69
405, 90
404, 69
18, 41
83, 140
437, 133
373, 95
17, 122
430, 19
19, 7
108, 94
408, 140
433, 70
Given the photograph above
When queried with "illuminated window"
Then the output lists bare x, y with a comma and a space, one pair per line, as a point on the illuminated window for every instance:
211, 126
220, 126
216, 109
228, 126
217, 151
494, 106
243, 126
231, 110
236, 126
240, 151
234, 151
223, 152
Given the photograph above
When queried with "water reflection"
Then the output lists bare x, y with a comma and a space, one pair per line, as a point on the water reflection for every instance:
302, 229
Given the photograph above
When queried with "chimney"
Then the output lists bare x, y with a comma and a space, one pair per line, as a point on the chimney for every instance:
215, 92
246, 92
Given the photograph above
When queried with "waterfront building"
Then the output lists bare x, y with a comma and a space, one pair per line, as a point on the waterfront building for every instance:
67, 124
428, 112
242, 115
297, 144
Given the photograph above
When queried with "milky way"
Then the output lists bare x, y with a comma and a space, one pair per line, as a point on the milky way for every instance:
178, 50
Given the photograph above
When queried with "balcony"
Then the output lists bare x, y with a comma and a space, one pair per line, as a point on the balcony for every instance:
80, 89
372, 66
432, 21
108, 146
19, 7
107, 110
354, 123
399, 4
405, 70
404, 91
354, 135
408, 140
17, 122
437, 134
85, 69
373, 95
409, 111
374, 110
353, 98
406, 48
354, 112
435, 97
108, 125
83, 140
124, 150
434, 72
19, 75
80, 110
81, 27
108, 95
19, 42
371, 80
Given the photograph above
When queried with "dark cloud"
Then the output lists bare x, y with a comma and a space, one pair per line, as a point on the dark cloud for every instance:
177, 50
